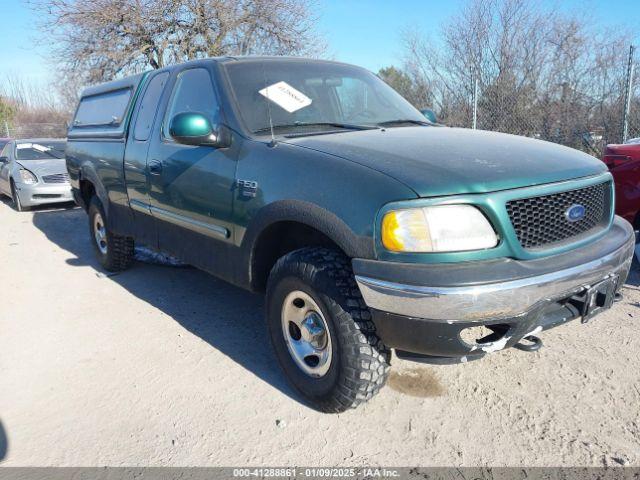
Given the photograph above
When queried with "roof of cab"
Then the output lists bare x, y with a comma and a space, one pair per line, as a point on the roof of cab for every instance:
134, 80
267, 58
257, 59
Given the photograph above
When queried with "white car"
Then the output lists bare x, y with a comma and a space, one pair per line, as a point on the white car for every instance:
34, 172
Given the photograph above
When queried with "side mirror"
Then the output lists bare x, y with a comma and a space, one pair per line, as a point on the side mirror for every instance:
190, 128
429, 115
4, 160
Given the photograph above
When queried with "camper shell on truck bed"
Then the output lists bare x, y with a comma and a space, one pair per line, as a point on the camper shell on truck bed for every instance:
368, 227
101, 120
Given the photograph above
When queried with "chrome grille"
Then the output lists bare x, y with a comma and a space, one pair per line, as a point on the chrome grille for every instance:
56, 178
541, 222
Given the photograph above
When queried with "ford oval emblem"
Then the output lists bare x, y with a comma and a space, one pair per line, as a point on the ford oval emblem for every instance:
575, 213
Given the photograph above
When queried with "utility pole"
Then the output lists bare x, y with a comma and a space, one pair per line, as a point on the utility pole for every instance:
6, 128
474, 124
627, 96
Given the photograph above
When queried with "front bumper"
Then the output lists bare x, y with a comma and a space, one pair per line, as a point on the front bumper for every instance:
423, 308
42, 193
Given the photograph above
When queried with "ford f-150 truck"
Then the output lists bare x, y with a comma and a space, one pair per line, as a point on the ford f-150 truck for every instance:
368, 228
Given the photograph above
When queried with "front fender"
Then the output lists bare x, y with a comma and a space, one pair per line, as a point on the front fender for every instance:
306, 213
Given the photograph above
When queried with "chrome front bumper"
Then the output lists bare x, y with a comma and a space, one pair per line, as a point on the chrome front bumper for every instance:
42, 193
506, 298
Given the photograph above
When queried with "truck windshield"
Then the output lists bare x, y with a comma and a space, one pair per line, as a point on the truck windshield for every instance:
39, 150
305, 97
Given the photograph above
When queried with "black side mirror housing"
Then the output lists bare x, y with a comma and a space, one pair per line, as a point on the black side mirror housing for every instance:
192, 128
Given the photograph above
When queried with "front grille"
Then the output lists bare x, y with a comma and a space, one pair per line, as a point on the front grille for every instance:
56, 178
541, 222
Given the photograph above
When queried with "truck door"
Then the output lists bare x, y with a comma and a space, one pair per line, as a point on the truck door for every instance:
135, 158
191, 187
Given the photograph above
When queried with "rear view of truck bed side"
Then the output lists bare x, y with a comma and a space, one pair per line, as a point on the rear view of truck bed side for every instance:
96, 148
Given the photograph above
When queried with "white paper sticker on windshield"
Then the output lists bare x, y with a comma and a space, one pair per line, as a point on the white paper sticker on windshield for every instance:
285, 96
34, 146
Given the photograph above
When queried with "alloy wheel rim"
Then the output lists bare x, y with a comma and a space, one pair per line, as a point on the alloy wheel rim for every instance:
100, 233
306, 334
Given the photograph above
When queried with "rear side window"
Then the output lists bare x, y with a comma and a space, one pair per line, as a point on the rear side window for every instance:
193, 92
149, 106
106, 108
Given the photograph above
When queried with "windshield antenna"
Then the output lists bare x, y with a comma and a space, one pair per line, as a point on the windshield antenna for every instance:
266, 90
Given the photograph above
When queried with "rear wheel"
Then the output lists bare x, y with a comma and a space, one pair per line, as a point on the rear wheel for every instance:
17, 204
322, 331
115, 252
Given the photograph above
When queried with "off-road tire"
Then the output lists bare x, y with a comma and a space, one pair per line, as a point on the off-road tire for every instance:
360, 361
15, 199
120, 249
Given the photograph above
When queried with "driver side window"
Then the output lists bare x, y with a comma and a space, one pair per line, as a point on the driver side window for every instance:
192, 92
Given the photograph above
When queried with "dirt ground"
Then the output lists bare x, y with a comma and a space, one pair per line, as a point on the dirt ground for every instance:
169, 366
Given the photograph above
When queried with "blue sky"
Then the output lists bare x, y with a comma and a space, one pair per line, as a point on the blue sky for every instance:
364, 32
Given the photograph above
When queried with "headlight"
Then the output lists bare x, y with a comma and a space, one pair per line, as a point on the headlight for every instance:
28, 177
442, 228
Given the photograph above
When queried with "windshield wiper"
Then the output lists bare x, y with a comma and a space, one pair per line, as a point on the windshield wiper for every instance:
348, 126
404, 120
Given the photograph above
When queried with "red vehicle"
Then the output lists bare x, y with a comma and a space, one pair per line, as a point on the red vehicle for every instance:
624, 163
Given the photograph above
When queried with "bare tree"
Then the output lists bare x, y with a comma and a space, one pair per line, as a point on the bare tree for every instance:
28, 94
7, 113
415, 90
539, 73
30, 110
102, 39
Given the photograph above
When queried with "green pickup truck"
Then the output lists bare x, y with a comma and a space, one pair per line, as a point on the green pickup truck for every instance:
368, 227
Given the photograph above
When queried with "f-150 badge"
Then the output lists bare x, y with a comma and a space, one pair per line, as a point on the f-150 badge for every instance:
248, 188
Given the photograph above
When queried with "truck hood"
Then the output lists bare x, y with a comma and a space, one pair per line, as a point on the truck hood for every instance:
437, 161
45, 167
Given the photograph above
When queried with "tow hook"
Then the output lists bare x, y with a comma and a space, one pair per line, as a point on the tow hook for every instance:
534, 345
618, 297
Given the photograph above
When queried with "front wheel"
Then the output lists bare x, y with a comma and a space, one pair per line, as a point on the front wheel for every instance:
322, 331
115, 252
17, 204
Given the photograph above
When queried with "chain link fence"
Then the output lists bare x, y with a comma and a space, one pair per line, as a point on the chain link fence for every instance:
33, 130
559, 113
631, 119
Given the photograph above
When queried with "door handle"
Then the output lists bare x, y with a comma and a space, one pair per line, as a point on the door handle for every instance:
155, 167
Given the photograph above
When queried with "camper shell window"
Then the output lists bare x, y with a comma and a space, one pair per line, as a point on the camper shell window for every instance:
103, 109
